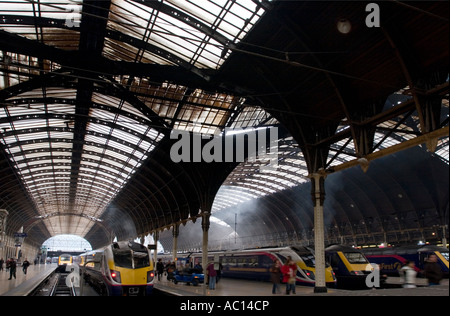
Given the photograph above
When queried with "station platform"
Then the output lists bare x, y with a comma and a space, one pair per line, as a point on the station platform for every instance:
245, 288
24, 284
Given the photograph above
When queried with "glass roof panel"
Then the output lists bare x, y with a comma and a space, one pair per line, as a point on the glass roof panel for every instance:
63, 10
182, 28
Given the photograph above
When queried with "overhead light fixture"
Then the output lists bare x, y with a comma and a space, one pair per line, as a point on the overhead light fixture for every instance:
344, 26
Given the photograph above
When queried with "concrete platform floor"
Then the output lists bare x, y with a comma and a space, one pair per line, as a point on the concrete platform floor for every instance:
233, 287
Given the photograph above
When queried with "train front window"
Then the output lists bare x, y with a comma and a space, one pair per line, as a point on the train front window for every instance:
445, 255
309, 260
140, 259
131, 259
356, 258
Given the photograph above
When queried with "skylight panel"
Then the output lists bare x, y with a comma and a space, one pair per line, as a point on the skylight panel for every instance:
183, 28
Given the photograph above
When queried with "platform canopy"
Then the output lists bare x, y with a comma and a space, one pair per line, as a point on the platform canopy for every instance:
90, 92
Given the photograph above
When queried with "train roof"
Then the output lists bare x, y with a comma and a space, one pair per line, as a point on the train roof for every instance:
410, 249
129, 245
343, 248
433, 248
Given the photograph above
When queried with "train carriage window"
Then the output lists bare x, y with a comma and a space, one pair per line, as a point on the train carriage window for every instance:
355, 257
247, 262
266, 262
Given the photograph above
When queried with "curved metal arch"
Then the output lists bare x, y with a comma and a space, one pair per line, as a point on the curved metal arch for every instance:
145, 185
36, 220
140, 188
54, 157
94, 105
69, 141
386, 198
103, 185
112, 176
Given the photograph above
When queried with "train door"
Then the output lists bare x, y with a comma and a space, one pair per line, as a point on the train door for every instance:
423, 258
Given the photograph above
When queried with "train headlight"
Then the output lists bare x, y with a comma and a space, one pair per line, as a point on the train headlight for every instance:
115, 275
310, 274
150, 276
358, 273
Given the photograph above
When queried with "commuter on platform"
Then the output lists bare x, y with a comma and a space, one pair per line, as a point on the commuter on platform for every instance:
170, 268
12, 268
289, 271
25, 266
433, 271
198, 268
219, 273
275, 277
212, 273
1, 264
409, 275
160, 269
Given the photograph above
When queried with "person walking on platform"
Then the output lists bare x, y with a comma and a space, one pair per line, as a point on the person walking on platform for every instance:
12, 268
25, 266
409, 275
160, 269
289, 271
275, 277
433, 271
212, 273
1, 264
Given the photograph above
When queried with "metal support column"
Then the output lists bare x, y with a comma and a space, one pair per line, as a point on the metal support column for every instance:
155, 254
205, 229
318, 196
3, 215
175, 233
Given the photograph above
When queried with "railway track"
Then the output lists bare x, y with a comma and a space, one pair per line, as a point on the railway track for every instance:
60, 287
54, 285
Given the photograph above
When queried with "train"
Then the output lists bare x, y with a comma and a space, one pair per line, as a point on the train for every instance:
350, 266
255, 264
119, 269
392, 259
65, 260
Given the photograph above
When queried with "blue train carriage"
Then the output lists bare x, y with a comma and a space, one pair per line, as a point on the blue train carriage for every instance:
350, 266
392, 259
120, 269
255, 264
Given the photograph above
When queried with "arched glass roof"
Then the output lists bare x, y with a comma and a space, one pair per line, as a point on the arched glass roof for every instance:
69, 243
90, 90
247, 182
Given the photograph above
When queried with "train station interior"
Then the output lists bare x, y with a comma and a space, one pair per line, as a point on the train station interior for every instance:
223, 125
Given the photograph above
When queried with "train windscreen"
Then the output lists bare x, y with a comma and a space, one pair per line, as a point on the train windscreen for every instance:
356, 258
445, 255
130, 259
306, 255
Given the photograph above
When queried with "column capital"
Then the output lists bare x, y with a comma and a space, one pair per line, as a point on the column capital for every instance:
206, 221
176, 230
